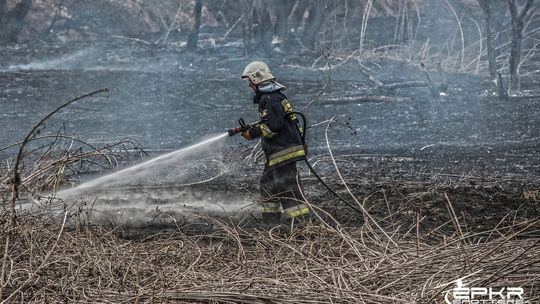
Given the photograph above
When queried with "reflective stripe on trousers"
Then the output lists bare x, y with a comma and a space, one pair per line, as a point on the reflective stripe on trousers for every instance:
296, 211
281, 187
270, 207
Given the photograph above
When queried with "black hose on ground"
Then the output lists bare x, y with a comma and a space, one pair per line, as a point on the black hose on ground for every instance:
303, 137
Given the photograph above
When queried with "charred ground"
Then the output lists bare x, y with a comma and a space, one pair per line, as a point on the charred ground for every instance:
392, 133
408, 156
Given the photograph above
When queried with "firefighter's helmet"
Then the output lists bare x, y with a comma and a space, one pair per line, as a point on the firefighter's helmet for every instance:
257, 72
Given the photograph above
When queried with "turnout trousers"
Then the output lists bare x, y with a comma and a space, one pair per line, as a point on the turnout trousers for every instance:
282, 193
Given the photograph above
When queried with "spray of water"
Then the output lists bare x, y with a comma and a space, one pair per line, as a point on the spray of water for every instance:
135, 196
157, 170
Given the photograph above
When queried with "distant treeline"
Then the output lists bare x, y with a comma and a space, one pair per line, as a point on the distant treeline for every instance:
470, 34
260, 22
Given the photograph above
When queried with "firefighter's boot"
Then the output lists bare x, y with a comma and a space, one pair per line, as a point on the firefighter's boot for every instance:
271, 219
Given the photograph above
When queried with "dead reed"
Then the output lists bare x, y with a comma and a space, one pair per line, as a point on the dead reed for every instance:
317, 263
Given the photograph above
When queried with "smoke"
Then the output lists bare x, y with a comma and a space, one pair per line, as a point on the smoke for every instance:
72, 60
164, 207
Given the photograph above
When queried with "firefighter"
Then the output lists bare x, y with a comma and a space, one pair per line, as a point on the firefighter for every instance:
281, 141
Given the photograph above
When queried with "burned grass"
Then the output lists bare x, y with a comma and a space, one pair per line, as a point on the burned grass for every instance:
316, 263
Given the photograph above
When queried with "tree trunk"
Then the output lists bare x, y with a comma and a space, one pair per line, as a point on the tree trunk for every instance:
2, 9
283, 12
501, 91
515, 54
517, 38
298, 11
262, 28
492, 57
314, 24
487, 7
193, 38
12, 22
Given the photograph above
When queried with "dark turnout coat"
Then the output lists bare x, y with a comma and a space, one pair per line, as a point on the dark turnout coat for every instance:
280, 133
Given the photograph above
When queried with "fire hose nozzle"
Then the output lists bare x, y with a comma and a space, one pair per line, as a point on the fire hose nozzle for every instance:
243, 127
233, 132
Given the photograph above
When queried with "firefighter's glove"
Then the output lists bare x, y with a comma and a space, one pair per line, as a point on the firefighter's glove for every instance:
247, 134
245, 128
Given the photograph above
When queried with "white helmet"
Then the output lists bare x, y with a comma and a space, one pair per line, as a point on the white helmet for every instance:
257, 72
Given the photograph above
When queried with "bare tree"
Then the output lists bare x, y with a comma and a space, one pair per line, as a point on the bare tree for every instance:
282, 11
255, 24
314, 23
487, 7
518, 17
12, 22
193, 38
2, 7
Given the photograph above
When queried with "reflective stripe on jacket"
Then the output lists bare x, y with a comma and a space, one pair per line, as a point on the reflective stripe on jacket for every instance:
280, 140
288, 154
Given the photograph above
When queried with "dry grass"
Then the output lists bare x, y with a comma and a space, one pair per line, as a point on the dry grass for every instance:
64, 259
61, 160
312, 264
